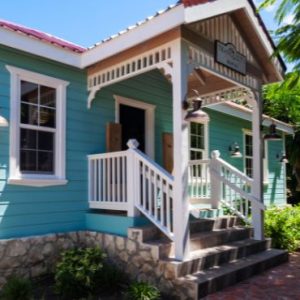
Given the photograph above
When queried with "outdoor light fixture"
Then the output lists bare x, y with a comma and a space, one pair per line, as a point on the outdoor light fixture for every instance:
196, 114
3, 121
282, 158
234, 150
272, 135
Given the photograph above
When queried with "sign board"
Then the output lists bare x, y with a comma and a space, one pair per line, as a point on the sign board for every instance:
227, 55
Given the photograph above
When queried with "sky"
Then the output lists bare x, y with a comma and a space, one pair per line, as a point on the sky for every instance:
88, 22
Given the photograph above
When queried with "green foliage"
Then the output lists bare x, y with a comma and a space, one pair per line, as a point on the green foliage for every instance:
17, 289
287, 35
78, 273
112, 279
142, 291
283, 226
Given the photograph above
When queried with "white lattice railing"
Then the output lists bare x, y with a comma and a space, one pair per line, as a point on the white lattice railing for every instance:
130, 180
233, 188
199, 179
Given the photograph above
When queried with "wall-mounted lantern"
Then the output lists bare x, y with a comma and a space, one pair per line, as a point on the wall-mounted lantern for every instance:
234, 150
272, 135
282, 158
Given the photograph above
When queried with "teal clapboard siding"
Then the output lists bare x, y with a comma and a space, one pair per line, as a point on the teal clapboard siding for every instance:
224, 130
151, 88
29, 210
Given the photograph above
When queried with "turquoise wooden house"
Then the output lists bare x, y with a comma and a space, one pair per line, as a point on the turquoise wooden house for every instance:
140, 140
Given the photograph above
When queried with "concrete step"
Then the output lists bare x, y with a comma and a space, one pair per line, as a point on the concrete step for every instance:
206, 213
216, 256
218, 237
217, 278
165, 248
202, 225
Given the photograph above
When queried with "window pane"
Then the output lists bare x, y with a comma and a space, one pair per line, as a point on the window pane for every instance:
45, 162
29, 114
29, 92
45, 141
195, 155
28, 161
193, 141
47, 96
47, 117
28, 139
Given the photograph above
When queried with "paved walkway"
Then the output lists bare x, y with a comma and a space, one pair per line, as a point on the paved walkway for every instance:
280, 283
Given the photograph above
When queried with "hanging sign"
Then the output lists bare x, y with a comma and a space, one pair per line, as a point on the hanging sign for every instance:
227, 55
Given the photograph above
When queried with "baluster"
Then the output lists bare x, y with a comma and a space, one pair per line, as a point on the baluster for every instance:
104, 179
150, 190
123, 181
113, 179
95, 180
144, 186
168, 208
119, 176
109, 179
99, 180
161, 199
155, 197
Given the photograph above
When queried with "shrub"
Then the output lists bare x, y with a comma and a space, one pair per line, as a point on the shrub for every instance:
142, 291
283, 226
77, 274
17, 289
111, 279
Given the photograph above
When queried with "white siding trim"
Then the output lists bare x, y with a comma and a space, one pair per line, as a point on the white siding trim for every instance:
38, 180
149, 120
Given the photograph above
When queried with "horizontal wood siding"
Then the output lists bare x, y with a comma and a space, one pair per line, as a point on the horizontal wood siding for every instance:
28, 210
150, 88
224, 130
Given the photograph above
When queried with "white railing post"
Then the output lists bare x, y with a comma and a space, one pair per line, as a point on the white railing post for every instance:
132, 178
216, 185
257, 186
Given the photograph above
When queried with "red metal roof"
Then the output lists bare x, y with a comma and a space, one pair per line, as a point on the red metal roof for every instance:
187, 3
45, 37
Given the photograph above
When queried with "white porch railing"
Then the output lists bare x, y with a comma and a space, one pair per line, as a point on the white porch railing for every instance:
130, 180
199, 180
233, 188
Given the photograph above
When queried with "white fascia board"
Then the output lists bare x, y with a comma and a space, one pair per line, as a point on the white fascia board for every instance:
152, 28
213, 9
246, 114
34, 46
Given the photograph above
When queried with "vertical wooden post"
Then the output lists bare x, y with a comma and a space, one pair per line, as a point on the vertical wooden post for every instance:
257, 186
181, 151
216, 185
132, 177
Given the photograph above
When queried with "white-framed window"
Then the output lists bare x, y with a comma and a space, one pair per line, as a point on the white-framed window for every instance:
37, 129
248, 156
198, 144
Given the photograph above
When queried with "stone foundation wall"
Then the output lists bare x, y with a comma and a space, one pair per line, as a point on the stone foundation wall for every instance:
35, 256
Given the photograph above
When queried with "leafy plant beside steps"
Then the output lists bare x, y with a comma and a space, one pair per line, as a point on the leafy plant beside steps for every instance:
282, 225
17, 289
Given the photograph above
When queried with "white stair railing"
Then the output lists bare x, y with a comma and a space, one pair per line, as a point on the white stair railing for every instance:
233, 188
130, 180
199, 180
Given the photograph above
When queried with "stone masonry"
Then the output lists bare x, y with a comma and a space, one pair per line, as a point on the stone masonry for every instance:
34, 256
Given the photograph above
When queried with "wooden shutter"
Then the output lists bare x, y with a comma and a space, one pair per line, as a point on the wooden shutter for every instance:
113, 137
168, 151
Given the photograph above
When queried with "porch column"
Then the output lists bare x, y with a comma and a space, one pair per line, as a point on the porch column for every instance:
181, 151
257, 187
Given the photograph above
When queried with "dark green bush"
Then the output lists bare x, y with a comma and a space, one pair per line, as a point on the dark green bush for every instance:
283, 226
142, 291
17, 289
111, 279
77, 274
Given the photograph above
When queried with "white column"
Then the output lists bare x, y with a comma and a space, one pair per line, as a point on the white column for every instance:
257, 186
181, 151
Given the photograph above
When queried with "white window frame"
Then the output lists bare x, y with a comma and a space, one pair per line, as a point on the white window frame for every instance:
149, 120
265, 158
16, 177
205, 151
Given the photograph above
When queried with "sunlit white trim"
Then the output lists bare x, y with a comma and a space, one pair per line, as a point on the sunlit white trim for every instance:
15, 175
34, 46
149, 120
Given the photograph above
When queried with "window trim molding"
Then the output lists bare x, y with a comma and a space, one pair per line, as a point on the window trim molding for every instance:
149, 120
265, 159
37, 180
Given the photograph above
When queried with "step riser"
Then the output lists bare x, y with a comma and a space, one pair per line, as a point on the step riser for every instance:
220, 239
226, 256
217, 284
209, 225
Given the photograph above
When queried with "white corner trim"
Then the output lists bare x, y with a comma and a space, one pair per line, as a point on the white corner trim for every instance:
34, 46
15, 175
149, 120
151, 28
37, 182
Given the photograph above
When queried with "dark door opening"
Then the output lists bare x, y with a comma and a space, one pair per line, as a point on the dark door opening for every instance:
132, 120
